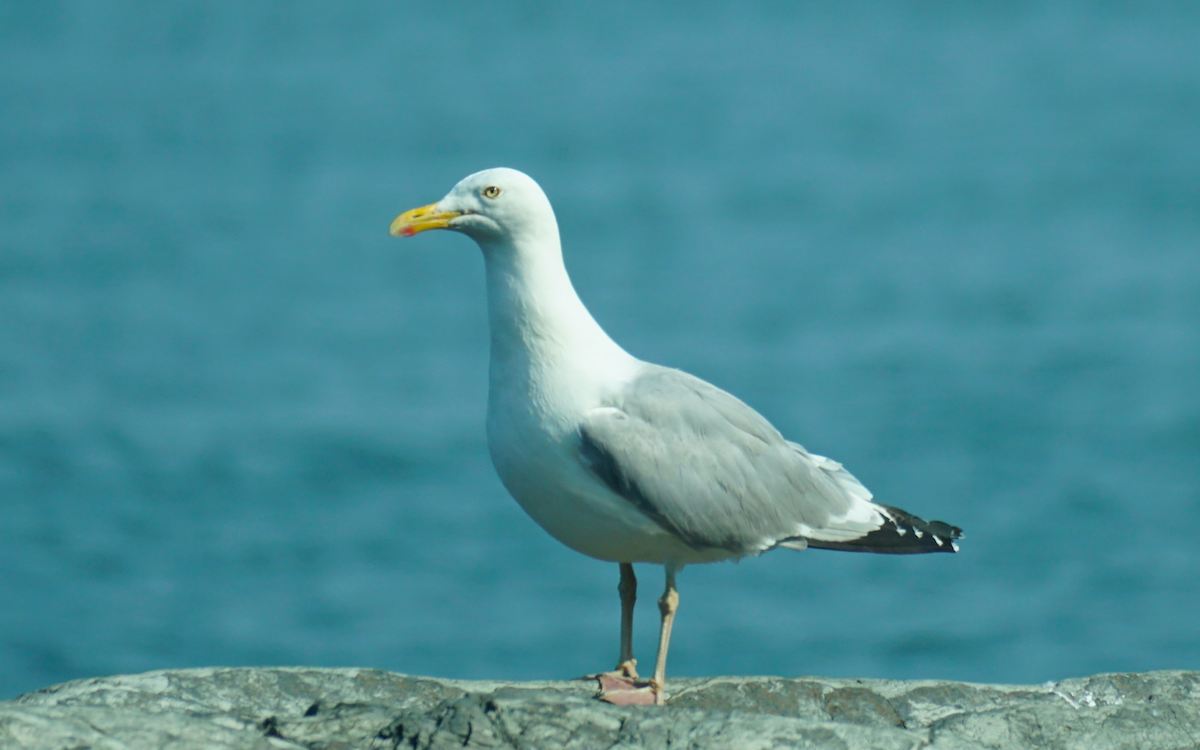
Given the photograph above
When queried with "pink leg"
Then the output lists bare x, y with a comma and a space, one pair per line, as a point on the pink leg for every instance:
666, 606
627, 665
621, 686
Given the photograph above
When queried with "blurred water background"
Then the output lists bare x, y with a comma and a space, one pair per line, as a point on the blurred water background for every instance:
955, 248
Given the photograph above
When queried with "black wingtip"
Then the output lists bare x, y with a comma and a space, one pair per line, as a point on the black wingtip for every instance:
902, 533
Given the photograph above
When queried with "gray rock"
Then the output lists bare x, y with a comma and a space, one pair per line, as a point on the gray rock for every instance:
340, 709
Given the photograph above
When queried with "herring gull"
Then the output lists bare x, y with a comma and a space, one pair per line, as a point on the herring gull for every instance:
627, 461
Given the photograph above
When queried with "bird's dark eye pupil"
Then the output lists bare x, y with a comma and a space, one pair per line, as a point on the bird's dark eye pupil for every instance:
491, 192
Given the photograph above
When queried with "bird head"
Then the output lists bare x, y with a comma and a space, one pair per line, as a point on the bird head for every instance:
489, 206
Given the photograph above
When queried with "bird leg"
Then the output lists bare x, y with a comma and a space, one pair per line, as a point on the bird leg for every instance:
666, 606
627, 665
621, 686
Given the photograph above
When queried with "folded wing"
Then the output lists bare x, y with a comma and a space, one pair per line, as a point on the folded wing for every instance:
713, 472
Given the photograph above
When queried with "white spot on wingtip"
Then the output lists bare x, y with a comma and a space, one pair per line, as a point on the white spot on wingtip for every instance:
939, 541
917, 532
954, 546
901, 531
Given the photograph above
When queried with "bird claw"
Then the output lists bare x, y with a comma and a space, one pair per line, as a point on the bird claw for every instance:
622, 691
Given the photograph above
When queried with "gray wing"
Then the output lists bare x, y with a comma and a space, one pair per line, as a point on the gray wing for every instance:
712, 471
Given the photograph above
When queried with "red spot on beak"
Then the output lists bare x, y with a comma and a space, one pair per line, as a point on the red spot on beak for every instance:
407, 231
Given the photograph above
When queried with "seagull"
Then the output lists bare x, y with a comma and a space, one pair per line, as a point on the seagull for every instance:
627, 461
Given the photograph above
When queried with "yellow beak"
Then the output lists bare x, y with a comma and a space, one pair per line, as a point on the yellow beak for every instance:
420, 219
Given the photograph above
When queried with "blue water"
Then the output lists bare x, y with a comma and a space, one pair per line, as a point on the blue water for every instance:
956, 249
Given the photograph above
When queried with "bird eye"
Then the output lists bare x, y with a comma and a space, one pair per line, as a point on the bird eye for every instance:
491, 192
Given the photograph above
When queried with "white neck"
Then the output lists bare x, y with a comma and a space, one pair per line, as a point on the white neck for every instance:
539, 326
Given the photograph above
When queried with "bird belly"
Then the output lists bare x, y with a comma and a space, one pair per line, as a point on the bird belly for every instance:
590, 524
577, 510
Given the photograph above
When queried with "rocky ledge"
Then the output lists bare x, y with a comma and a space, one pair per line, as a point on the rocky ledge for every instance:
335, 709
